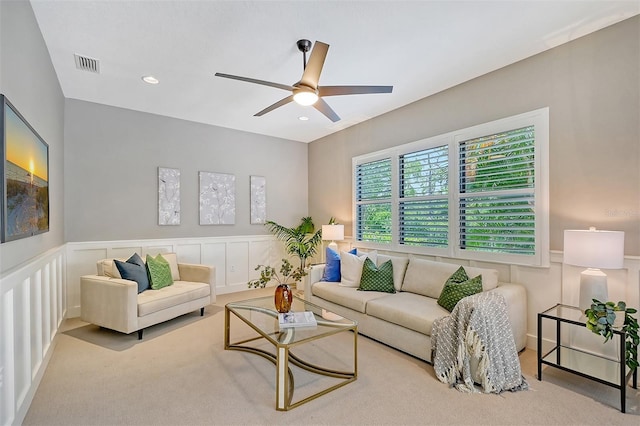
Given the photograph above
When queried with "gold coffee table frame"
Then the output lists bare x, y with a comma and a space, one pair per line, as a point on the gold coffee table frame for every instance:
260, 315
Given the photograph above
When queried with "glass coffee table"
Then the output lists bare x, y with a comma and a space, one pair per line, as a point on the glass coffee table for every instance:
261, 316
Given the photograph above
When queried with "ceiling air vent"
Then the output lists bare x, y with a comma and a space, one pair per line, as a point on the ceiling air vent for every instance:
87, 64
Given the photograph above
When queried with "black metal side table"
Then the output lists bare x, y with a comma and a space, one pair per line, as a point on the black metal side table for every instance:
611, 372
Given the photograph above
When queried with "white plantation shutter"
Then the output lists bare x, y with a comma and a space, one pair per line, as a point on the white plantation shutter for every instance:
373, 201
497, 192
479, 193
423, 214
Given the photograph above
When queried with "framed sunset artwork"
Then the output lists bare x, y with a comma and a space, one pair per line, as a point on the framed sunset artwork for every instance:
25, 173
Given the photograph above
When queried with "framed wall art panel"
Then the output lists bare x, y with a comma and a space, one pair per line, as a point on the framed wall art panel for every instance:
258, 200
25, 176
168, 196
217, 198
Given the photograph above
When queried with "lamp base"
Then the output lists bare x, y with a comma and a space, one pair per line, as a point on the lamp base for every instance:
593, 285
333, 245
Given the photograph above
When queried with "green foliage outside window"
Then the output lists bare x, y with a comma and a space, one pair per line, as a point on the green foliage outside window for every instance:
504, 222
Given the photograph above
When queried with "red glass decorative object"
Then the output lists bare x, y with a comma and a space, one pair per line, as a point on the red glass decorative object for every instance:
283, 298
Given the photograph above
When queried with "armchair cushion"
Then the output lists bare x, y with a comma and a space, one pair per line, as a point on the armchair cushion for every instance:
172, 259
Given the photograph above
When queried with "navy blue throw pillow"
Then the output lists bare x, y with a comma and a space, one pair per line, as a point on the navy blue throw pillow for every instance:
134, 269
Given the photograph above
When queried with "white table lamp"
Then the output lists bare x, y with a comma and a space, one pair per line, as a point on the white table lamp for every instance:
593, 249
333, 233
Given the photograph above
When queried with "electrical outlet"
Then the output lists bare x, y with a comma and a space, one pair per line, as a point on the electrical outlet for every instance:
233, 268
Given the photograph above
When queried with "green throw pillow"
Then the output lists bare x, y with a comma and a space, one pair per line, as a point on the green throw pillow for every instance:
377, 278
458, 276
159, 272
454, 291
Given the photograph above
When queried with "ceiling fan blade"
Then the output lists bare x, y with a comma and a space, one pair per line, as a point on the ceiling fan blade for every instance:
274, 106
311, 74
324, 108
253, 80
352, 90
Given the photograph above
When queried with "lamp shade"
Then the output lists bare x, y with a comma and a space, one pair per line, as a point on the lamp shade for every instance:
333, 232
594, 249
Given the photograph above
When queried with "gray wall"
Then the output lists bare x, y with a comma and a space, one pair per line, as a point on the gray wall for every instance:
28, 80
592, 88
112, 157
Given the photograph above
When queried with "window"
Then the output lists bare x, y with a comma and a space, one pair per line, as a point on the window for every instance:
373, 199
478, 193
423, 212
496, 195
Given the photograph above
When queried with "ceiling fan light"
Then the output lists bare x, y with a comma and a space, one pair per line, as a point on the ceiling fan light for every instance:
305, 98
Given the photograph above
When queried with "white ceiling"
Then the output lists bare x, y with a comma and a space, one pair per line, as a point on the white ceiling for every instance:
419, 47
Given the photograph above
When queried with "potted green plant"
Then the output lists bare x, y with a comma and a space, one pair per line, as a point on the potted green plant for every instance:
286, 276
601, 319
301, 241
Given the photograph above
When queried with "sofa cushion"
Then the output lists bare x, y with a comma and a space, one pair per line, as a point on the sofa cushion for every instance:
159, 272
408, 310
134, 269
456, 288
348, 297
377, 278
351, 267
107, 268
399, 268
172, 259
151, 301
427, 277
332, 266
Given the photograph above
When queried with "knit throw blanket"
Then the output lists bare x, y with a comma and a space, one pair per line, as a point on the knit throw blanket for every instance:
479, 330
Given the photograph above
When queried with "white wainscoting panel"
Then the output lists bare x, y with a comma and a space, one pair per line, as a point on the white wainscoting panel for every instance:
32, 308
233, 257
216, 254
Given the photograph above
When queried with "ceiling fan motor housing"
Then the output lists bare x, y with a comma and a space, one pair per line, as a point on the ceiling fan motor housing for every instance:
304, 45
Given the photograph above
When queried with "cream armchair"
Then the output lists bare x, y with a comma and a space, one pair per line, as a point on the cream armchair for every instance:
112, 302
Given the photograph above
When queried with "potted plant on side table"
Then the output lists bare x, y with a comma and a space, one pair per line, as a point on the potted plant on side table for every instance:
601, 319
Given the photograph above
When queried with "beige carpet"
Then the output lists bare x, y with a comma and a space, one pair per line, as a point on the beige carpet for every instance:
180, 375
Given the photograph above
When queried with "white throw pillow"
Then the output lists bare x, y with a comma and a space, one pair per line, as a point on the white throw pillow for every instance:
172, 258
351, 267
109, 268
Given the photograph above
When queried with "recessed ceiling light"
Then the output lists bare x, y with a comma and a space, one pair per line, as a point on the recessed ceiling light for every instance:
303, 118
150, 79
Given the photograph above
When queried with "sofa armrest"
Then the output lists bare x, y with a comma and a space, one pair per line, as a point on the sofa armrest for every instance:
516, 297
199, 274
109, 302
315, 275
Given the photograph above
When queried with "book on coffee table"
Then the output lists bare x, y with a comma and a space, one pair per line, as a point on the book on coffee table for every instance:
297, 319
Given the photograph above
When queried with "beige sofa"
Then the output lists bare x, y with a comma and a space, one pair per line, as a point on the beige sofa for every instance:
112, 302
404, 319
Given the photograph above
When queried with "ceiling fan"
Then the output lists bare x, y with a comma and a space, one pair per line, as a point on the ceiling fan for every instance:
307, 91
